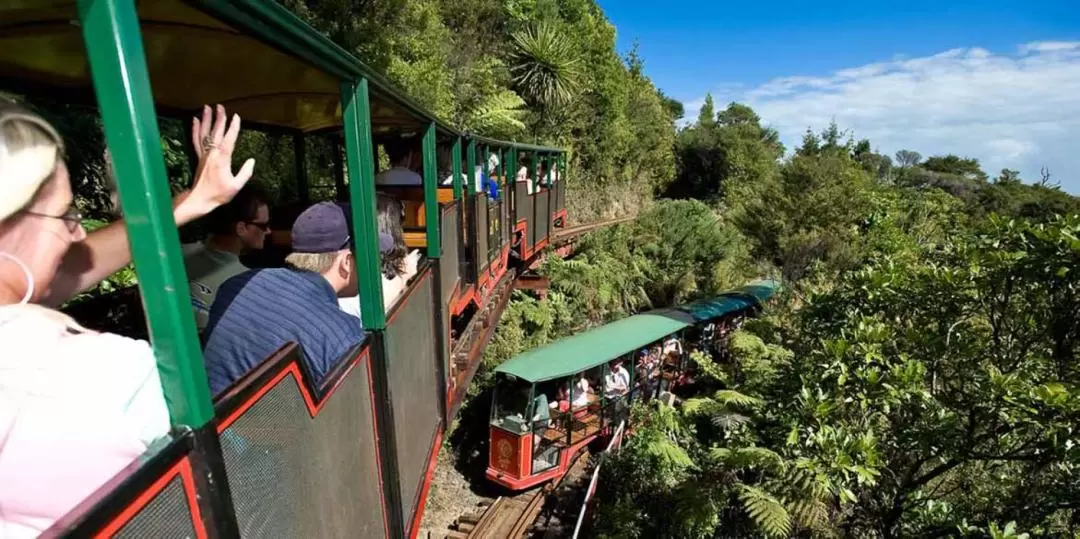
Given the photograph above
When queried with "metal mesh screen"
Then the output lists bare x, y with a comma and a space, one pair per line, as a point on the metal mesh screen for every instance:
560, 196
480, 214
413, 391
448, 266
167, 516
523, 210
292, 475
543, 218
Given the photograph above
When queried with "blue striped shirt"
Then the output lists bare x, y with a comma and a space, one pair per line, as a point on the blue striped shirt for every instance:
258, 311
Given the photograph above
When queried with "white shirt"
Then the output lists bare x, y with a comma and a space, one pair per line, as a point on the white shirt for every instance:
672, 346
616, 382
581, 393
398, 176
76, 407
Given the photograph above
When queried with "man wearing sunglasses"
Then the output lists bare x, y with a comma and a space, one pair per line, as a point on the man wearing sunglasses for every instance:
236, 228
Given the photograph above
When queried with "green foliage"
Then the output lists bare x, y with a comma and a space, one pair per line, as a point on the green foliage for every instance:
766, 511
545, 68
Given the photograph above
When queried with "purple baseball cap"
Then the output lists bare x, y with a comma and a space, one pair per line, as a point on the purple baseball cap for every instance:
325, 228
322, 228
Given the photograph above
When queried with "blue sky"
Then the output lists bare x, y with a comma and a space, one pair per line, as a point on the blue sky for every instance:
995, 80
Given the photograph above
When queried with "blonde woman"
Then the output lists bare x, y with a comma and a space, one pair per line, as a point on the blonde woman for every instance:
64, 388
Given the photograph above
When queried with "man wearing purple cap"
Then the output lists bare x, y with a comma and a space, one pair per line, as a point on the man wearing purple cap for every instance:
257, 312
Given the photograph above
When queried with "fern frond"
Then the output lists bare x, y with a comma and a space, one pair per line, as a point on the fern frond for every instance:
746, 457
729, 420
734, 398
766, 511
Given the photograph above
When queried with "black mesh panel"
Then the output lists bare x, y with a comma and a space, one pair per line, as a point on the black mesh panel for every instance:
167, 516
481, 214
448, 266
292, 475
543, 218
413, 392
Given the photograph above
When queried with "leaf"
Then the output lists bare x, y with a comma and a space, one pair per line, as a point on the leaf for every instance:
732, 397
766, 511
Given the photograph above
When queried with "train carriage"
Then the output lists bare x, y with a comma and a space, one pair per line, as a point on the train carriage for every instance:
277, 454
551, 402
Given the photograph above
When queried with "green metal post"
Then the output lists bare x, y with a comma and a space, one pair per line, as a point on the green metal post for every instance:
360, 156
122, 84
431, 193
456, 167
470, 163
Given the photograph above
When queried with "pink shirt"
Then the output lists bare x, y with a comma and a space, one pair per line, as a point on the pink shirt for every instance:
76, 407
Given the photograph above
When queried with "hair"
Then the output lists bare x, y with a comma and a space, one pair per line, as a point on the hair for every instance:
389, 211
397, 149
317, 262
242, 208
30, 150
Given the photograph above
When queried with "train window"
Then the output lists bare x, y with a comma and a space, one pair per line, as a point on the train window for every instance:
512, 403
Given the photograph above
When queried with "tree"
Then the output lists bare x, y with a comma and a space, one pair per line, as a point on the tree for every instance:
967, 168
707, 114
674, 106
1008, 177
908, 158
730, 151
545, 69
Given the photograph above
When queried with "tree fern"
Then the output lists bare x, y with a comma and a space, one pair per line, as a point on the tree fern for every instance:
501, 112
734, 398
746, 457
766, 511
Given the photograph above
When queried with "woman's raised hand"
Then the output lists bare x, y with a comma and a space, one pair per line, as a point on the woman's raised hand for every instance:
214, 141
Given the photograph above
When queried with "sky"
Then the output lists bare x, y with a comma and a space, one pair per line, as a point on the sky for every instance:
995, 80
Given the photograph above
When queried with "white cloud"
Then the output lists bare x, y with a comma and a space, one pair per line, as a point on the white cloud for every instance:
1018, 110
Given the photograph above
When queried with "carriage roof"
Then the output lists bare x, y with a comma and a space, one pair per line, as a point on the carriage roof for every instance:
599, 345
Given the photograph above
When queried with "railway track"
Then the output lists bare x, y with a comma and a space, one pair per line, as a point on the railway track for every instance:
510, 517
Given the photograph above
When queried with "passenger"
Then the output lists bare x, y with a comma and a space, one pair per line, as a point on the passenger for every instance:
446, 167
76, 406
484, 181
672, 347
404, 162
398, 263
641, 374
523, 177
237, 228
583, 394
351, 304
562, 400
257, 312
617, 380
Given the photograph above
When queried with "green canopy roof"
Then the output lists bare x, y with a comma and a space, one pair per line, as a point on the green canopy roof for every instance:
590, 348
599, 345
729, 302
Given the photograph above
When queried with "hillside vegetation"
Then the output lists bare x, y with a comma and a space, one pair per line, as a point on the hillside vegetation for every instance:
917, 379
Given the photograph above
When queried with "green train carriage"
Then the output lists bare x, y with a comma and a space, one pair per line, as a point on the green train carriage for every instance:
355, 451
531, 443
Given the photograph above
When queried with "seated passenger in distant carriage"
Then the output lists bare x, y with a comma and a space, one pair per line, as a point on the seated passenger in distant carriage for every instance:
446, 169
404, 160
616, 381
64, 387
583, 393
522, 176
673, 347
259, 311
